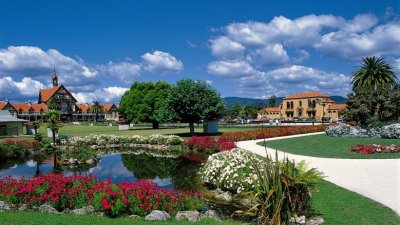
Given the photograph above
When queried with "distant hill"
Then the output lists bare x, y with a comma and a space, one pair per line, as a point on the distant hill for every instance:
263, 102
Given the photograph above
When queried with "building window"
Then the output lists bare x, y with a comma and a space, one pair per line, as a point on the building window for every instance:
300, 103
288, 105
291, 105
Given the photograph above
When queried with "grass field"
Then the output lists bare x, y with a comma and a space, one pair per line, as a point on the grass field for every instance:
331, 147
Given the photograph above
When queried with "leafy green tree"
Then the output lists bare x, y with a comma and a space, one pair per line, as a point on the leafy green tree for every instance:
54, 125
144, 102
193, 100
374, 72
54, 104
249, 112
96, 108
233, 112
272, 101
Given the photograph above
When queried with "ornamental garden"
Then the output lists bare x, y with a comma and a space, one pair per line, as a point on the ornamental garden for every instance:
178, 174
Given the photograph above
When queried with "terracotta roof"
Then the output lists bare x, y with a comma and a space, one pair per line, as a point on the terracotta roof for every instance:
2, 104
83, 107
337, 106
107, 107
47, 93
327, 100
25, 107
306, 95
270, 109
39, 107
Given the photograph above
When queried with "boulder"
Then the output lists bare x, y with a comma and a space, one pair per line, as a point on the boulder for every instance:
4, 206
298, 220
210, 214
157, 215
89, 161
133, 216
225, 197
23, 207
315, 220
47, 208
84, 210
188, 215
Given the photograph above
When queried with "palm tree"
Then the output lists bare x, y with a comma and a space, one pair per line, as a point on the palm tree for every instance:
96, 108
374, 72
54, 126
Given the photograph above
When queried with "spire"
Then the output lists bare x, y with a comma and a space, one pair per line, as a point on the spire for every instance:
54, 78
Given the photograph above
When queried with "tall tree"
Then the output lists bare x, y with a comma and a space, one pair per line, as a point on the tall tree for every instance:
249, 112
272, 101
144, 101
374, 72
96, 108
54, 125
193, 100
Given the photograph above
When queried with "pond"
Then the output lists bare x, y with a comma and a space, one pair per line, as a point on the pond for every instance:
174, 172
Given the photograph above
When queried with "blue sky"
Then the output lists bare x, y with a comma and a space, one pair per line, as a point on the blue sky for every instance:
243, 48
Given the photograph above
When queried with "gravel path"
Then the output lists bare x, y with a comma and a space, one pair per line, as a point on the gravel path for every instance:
377, 179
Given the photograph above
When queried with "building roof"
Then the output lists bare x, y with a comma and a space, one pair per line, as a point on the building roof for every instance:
107, 106
337, 106
270, 109
46, 94
306, 95
2, 104
5, 116
39, 107
83, 107
24, 107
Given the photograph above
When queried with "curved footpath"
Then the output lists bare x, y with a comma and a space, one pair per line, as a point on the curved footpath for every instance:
377, 179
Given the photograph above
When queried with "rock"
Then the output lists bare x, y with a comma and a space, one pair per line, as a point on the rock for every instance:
157, 215
298, 220
67, 211
84, 210
210, 214
89, 161
4, 206
315, 220
188, 215
133, 216
47, 208
23, 207
217, 191
99, 214
226, 197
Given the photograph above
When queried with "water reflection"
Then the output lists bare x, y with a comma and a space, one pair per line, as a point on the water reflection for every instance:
172, 173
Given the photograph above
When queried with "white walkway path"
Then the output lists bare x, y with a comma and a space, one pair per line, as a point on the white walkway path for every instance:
378, 179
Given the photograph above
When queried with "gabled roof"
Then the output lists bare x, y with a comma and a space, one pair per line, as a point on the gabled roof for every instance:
39, 107
2, 104
83, 107
46, 94
24, 107
306, 95
337, 106
107, 107
5, 116
270, 109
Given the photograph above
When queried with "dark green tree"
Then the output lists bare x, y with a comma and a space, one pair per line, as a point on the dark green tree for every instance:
54, 125
191, 101
374, 73
54, 104
249, 112
233, 112
272, 101
96, 108
144, 102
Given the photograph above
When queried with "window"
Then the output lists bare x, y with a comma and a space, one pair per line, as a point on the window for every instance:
300, 103
288, 105
291, 105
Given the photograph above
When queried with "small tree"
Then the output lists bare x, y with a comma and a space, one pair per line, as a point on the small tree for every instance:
272, 101
144, 101
36, 126
54, 104
96, 108
193, 100
54, 126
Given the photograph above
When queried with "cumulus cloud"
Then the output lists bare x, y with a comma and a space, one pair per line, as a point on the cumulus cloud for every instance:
161, 62
125, 71
104, 95
27, 87
360, 23
238, 68
226, 48
273, 54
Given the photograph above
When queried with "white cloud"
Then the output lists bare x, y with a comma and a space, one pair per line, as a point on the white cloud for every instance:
360, 23
271, 54
162, 62
226, 48
27, 87
125, 71
104, 95
231, 68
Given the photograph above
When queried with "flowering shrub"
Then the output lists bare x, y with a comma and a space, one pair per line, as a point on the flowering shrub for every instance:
270, 132
209, 144
370, 149
391, 131
107, 139
345, 130
73, 192
9, 148
230, 170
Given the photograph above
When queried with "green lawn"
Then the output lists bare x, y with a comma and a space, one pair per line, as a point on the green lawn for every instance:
331, 147
339, 206
36, 218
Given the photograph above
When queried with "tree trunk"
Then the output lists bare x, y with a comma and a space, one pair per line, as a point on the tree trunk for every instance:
156, 124
54, 149
191, 127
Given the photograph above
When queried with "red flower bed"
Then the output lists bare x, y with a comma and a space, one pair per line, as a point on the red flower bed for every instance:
270, 132
370, 149
209, 144
21, 143
73, 192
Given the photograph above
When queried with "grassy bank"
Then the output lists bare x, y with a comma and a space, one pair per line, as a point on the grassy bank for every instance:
331, 147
